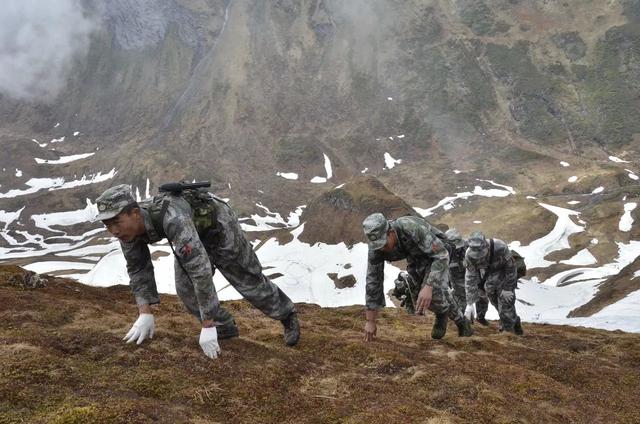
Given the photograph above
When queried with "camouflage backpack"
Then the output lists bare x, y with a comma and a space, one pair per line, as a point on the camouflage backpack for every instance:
202, 204
521, 266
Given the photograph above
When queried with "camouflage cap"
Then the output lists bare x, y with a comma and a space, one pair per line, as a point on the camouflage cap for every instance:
113, 201
375, 228
478, 246
454, 236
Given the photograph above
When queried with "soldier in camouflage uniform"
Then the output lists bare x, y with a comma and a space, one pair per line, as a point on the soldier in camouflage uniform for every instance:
199, 249
457, 270
492, 266
415, 240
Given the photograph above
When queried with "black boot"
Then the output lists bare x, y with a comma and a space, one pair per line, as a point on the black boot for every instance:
440, 326
228, 330
464, 328
291, 329
517, 327
483, 321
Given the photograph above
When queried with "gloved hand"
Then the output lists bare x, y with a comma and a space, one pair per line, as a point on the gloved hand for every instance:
507, 296
209, 342
470, 312
143, 327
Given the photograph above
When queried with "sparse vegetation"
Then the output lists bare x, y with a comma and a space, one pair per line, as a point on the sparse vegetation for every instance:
80, 370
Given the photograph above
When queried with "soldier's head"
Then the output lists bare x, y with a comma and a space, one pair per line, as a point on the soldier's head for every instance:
478, 246
379, 233
455, 237
120, 213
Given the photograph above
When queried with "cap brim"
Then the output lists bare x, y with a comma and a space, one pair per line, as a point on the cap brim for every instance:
378, 244
459, 244
477, 253
106, 215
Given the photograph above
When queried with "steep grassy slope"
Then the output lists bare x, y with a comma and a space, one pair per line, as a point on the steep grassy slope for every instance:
64, 362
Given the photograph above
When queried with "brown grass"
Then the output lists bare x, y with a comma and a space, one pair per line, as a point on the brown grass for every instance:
63, 361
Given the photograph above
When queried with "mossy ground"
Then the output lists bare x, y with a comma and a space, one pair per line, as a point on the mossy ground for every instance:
63, 361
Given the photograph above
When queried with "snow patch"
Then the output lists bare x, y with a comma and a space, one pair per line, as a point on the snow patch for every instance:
9, 217
287, 175
37, 184
64, 159
390, 162
272, 220
318, 180
557, 239
477, 191
617, 160
67, 218
18, 172
582, 258
632, 175
563, 163
626, 220
573, 179
598, 190
57, 140
327, 166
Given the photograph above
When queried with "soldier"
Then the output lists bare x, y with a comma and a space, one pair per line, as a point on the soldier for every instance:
202, 238
490, 265
415, 240
456, 274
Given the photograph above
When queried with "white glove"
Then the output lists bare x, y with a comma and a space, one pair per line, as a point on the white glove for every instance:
143, 327
209, 342
470, 312
507, 296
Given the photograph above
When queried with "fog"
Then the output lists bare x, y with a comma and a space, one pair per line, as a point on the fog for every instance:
38, 43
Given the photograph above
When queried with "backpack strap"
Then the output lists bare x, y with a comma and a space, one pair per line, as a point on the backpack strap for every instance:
163, 212
488, 271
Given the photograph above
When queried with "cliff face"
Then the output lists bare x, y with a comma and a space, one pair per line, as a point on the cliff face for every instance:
237, 90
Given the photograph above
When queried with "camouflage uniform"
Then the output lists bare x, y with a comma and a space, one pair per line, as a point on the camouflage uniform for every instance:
427, 263
221, 246
502, 277
457, 270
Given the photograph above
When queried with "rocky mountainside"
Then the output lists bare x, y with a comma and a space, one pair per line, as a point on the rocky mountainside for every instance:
64, 362
237, 90
513, 117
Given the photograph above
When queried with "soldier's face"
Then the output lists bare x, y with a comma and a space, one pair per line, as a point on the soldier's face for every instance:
392, 240
126, 226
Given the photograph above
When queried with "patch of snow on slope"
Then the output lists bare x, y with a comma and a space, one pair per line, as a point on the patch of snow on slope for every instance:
327, 166
287, 175
617, 160
390, 162
9, 217
448, 202
66, 218
37, 184
64, 159
582, 258
557, 239
626, 220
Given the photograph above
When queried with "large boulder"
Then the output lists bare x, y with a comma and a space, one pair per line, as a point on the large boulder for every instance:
336, 215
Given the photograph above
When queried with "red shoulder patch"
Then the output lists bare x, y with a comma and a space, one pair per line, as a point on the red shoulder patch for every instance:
185, 250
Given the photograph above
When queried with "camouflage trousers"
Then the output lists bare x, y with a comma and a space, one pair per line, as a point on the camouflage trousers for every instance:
460, 296
233, 256
506, 310
442, 299
482, 305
